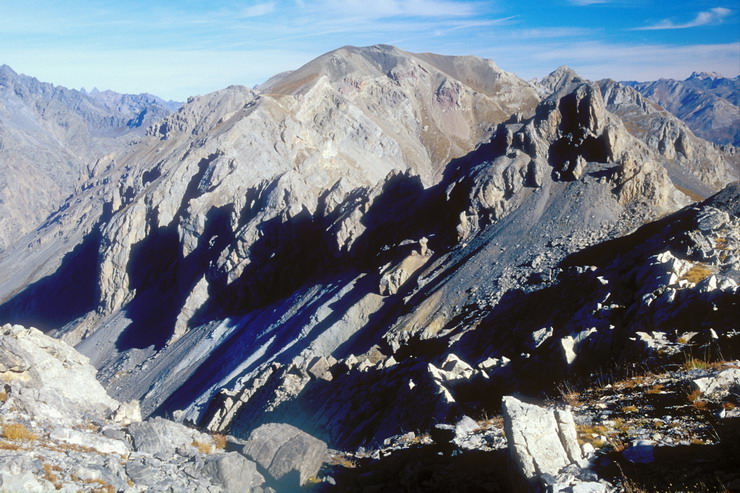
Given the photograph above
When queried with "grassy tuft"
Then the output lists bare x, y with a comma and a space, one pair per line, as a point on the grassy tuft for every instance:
220, 441
203, 448
17, 431
50, 474
655, 389
697, 273
341, 461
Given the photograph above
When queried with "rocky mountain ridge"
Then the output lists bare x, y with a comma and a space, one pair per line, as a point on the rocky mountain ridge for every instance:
50, 139
378, 225
708, 103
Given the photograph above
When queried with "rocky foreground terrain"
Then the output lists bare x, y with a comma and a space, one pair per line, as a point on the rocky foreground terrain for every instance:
397, 261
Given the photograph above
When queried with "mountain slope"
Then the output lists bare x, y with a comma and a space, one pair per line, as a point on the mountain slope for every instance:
708, 103
50, 139
313, 250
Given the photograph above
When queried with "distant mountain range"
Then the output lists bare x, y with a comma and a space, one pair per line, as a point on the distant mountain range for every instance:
51, 138
707, 102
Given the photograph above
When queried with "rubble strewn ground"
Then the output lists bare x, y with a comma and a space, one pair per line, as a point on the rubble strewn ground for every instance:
649, 432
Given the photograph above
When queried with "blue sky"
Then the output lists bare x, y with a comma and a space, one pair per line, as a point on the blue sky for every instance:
180, 48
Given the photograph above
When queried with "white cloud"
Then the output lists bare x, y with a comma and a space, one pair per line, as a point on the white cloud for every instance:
713, 16
257, 10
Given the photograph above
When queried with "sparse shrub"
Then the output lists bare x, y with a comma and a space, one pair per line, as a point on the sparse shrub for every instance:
700, 405
568, 394
693, 396
692, 363
617, 445
487, 423
17, 431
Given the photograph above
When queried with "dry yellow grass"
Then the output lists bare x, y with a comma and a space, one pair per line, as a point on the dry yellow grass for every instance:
592, 434
50, 474
220, 441
100, 486
203, 448
17, 431
697, 273
341, 461
690, 193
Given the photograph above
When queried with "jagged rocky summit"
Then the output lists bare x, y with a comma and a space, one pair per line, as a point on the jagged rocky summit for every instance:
381, 241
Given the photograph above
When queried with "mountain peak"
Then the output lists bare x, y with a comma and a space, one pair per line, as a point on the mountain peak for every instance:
562, 78
705, 76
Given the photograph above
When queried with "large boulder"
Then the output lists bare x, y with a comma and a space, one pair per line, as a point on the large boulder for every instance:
718, 384
541, 440
289, 455
161, 437
234, 472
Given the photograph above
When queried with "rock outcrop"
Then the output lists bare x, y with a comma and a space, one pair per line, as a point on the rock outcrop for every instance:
544, 446
60, 430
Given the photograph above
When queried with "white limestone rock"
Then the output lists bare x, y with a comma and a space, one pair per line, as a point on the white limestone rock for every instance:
541, 440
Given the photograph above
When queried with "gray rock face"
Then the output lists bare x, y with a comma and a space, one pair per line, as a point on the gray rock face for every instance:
161, 437
544, 447
286, 453
718, 384
275, 227
715, 166
541, 441
234, 472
